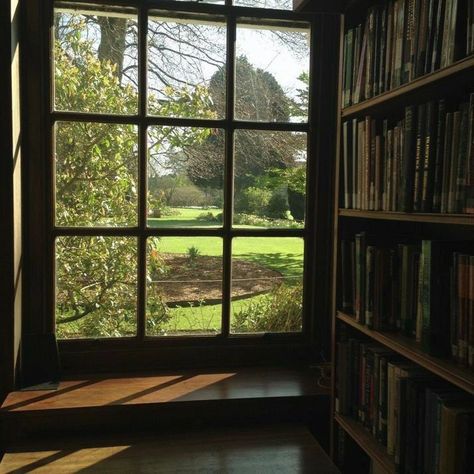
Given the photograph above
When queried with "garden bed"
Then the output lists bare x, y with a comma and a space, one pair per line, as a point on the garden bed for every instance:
200, 281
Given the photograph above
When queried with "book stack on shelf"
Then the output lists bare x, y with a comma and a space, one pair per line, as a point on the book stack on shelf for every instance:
401, 40
425, 424
403, 285
421, 163
423, 290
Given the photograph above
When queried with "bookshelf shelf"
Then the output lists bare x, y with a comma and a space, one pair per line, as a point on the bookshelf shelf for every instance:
450, 219
367, 442
462, 378
423, 87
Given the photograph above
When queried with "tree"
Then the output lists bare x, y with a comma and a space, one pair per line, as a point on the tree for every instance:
96, 185
260, 98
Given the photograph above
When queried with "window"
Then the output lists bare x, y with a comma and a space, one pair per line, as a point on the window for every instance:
180, 152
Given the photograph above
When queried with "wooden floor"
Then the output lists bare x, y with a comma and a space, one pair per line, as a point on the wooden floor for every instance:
183, 386
273, 449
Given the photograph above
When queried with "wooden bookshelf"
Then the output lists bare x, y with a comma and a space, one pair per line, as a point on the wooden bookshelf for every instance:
450, 219
459, 376
450, 83
367, 442
424, 86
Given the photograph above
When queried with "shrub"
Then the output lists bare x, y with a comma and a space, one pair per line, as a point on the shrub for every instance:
193, 254
278, 311
278, 204
209, 217
253, 200
187, 196
249, 219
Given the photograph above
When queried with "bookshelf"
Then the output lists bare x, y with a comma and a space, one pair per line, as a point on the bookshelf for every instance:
446, 219
452, 83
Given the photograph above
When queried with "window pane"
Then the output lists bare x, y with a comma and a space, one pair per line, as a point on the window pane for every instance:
184, 289
269, 179
96, 287
185, 177
274, 4
272, 73
96, 174
95, 61
186, 67
267, 284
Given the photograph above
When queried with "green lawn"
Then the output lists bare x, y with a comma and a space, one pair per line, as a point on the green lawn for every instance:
283, 254
185, 217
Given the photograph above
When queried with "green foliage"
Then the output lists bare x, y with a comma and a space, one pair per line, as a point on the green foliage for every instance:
278, 311
250, 219
193, 254
253, 200
278, 205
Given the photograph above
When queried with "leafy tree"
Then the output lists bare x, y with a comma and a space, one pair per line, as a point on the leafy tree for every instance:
96, 185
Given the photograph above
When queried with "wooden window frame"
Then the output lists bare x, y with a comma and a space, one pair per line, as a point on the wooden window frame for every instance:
143, 351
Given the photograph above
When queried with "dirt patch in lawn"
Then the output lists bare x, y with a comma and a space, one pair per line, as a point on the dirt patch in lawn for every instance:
201, 281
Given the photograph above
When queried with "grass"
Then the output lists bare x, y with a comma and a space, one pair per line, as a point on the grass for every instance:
185, 217
283, 254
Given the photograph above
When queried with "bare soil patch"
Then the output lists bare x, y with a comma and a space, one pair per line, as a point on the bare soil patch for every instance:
201, 280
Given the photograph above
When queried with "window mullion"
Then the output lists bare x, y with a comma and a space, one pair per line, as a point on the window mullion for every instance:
142, 171
228, 175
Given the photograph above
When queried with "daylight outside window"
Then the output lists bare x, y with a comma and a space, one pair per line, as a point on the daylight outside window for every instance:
180, 159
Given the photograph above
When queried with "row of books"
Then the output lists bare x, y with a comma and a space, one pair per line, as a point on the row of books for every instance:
425, 423
423, 163
425, 290
401, 40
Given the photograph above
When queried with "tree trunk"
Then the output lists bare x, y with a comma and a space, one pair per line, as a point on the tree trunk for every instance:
112, 41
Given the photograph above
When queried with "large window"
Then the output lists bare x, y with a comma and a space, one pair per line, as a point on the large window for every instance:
179, 186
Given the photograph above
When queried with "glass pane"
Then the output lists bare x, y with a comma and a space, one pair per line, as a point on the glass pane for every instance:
96, 174
269, 179
96, 287
274, 4
184, 286
185, 177
267, 284
272, 73
95, 61
186, 67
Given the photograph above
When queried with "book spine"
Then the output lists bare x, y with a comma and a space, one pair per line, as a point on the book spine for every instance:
369, 77
453, 169
453, 307
429, 159
433, 5
346, 159
469, 203
448, 138
369, 286
462, 301
409, 159
462, 165
446, 33
426, 339
419, 158
438, 35
389, 51
355, 163
367, 163
470, 299
438, 177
